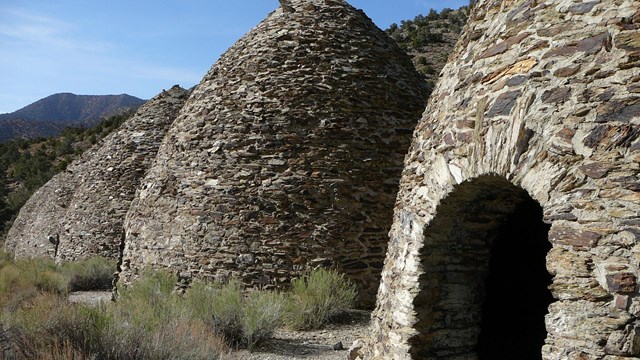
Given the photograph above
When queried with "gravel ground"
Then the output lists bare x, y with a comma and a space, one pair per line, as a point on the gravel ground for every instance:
90, 297
317, 344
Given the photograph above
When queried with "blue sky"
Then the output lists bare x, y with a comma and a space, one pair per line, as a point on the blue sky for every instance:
136, 47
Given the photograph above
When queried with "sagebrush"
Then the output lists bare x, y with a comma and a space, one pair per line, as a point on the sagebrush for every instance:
150, 320
318, 297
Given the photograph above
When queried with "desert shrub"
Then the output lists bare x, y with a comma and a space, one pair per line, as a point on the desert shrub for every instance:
21, 279
157, 284
262, 314
158, 324
226, 311
11, 279
5, 258
185, 340
39, 324
317, 297
243, 320
22, 275
51, 281
61, 350
149, 302
199, 298
10, 302
146, 323
175, 339
428, 70
19, 344
95, 273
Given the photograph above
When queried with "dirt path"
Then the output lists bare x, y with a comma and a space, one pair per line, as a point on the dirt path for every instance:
318, 344
90, 297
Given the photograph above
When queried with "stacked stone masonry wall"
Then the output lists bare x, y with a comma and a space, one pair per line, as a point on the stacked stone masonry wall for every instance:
33, 233
545, 95
80, 212
286, 157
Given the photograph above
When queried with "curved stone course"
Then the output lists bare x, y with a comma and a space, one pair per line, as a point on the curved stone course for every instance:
539, 99
80, 212
286, 157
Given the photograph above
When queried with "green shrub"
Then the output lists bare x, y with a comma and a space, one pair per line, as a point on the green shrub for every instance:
262, 314
145, 324
11, 279
428, 70
150, 285
199, 298
39, 324
52, 281
63, 350
175, 339
39, 274
242, 320
226, 312
5, 258
14, 300
148, 321
25, 276
186, 340
317, 298
160, 324
149, 302
95, 273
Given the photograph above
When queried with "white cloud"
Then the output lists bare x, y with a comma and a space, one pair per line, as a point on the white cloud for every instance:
43, 54
22, 26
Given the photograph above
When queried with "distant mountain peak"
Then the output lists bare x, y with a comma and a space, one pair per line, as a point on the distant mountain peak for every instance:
69, 107
47, 116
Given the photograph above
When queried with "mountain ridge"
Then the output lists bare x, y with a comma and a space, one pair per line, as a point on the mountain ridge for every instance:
50, 115
67, 106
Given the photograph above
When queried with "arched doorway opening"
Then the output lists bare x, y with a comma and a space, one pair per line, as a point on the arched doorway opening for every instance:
484, 287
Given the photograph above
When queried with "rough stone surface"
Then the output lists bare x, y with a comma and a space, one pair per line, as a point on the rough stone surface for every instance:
37, 221
80, 212
553, 115
286, 157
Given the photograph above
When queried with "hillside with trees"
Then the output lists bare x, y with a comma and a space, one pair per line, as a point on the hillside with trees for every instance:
429, 39
25, 165
51, 115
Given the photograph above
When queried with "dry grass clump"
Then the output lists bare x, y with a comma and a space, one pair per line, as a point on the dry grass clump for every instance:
95, 273
38, 322
317, 298
243, 320
45, 275
150, 320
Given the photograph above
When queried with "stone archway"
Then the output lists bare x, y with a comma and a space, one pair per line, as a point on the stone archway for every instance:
544, 95
484, 290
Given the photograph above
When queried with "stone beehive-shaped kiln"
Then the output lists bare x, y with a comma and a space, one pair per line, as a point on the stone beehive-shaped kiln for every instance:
34, 232
80, 212
286, 156
516, 232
